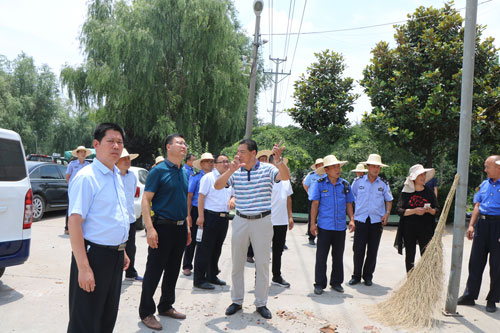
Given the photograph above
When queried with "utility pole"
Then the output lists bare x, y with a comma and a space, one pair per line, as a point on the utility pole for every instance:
463, 156
258, 6
278, 61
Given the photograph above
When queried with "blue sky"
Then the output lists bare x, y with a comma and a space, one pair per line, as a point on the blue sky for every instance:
48, 31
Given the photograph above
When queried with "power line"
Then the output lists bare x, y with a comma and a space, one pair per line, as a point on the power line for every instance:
289, 29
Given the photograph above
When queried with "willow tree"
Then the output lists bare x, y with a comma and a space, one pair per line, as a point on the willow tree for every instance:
157, 66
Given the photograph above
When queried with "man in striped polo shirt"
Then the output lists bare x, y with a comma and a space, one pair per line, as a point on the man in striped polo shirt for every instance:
252, 182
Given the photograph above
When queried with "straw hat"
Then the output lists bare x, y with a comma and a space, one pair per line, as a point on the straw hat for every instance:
327, 161
264, 153
318, 161
415, 171
88, 152
204, 156
159, 159
125, 154
359, 168
374, 159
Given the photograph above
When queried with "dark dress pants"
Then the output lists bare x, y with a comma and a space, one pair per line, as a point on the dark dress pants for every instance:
366, 240
166, 260
311, 236
131, 249
96, 311
279, 238
416, 232
189, 251
209, 250
486, 240
335, 240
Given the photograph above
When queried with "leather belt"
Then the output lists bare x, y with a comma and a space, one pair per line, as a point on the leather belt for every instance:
253, 217
120, 247
219, 214
162, 221
489, 217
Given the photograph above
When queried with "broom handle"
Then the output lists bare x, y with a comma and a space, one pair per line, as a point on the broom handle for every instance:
447, 205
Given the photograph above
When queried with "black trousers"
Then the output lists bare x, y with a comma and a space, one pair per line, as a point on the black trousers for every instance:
486, 240
96, 311
166, 260
311, 236
335, 240
209, 250
189, 251
131, 249
279, 238
250, 251
416, 232
366, 241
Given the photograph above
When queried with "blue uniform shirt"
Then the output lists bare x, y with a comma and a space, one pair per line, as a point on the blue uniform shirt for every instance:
189, 170
194, 187
312, 177
73, 168
97, 194
332, 202
370, 198
130, 184
488, 197
169, 184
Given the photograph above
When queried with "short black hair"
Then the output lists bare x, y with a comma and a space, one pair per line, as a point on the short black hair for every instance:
102, 128
271, 158
251, 144
170, 139
188, 156
217, 157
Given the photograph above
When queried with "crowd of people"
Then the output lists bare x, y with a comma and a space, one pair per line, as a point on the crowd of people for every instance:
186, 216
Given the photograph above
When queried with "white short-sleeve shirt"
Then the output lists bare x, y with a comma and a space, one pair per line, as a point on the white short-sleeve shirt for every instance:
279, 196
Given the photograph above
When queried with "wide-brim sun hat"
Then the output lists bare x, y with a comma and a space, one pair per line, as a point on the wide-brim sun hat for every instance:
204, 156
125, 154
375, 159
159, 159
318, 161
328, 161
359, 168
265, 152
415, 171
88, 152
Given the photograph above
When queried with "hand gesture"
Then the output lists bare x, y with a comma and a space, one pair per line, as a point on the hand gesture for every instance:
231, 204
126, 261
236, 164
470, 232
277, 151
420, 211
314, 229
352, 225
290, 223
199, 221
152, 238
86, 279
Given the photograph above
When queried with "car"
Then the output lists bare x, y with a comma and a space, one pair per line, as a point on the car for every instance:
55, 158
16, 202
141, 175
49, 186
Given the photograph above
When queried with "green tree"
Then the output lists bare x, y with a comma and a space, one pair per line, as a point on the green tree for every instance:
323, 98
415, 87
157, 66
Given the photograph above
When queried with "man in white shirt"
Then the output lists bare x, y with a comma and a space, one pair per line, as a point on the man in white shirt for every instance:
281, 217
213, 211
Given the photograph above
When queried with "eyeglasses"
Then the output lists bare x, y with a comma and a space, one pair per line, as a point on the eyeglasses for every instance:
222, 162
181, 143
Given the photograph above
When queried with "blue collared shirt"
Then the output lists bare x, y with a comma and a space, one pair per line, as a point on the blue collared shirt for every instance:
97, 194
488, 197
189, 170
169, 185
370, 198
332, 203
312, 177
130, 184
73, 168
194, 187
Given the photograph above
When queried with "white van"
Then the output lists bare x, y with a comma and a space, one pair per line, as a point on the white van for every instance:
16, 202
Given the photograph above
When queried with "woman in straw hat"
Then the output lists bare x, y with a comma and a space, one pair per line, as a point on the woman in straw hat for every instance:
360, 170
417, 206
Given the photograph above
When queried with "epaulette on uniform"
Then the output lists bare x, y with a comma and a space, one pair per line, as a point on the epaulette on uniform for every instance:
385, 181
346, 186
321, 180
195, 173
359, 177
310, 173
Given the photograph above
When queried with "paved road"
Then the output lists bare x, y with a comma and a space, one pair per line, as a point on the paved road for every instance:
34, 296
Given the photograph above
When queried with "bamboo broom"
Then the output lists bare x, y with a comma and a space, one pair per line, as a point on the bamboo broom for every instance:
415, 304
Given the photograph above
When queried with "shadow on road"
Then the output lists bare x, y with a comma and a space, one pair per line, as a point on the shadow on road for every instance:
8, 294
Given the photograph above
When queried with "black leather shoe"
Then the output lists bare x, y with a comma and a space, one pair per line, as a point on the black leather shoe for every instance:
353, 281
368, 283
264, 312
218, 282
311, 242
338, 288
491, 306
232, 309
205, 285
464, 300
318, 290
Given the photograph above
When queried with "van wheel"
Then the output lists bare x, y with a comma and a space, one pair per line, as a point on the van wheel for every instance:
139, 224
38, 207
2, 269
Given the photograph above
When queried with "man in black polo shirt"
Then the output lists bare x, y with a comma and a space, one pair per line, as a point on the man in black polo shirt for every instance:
167, 234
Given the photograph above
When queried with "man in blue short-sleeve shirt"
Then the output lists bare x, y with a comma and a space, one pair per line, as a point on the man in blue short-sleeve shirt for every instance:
484, 230
167, 234
373, 207
310, 179
331, 199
